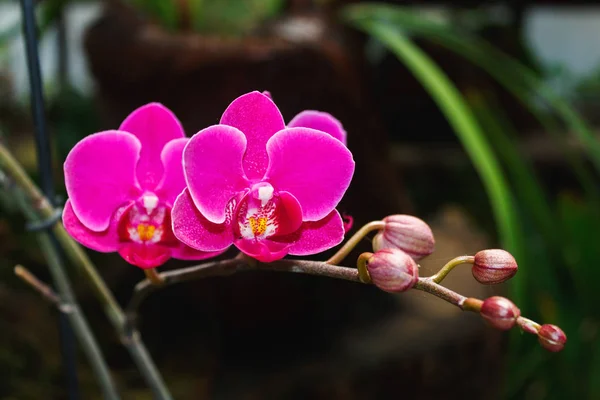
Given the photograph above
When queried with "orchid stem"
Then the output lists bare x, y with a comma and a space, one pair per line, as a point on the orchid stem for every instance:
154, 277
130, 339
229, 267
467, 303
318, 268
430, 286
446, 269
361, 264
351, 243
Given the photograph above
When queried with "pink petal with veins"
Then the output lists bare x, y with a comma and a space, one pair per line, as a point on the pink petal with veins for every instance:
154, 125
106, 241
100, 176
173, 180
311, 165
258, 118
212, 163
316, 237
320, 121
194, 230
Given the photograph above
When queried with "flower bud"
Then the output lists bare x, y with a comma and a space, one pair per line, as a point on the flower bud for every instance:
393, 270
494, 266
552, 338
500, 312
407, 233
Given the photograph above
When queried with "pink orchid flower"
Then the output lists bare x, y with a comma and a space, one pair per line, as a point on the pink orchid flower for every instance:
122, 185
268, 189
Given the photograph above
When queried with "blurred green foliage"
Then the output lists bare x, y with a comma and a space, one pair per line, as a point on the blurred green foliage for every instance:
222, 17
214, 17
554, 237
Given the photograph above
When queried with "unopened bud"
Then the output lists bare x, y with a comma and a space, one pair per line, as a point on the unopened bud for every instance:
494, 266
393, 270
407, 233
500, 312
552, 338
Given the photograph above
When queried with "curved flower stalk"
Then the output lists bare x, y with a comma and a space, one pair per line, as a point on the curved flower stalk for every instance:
122, 185
392, 270
267, 189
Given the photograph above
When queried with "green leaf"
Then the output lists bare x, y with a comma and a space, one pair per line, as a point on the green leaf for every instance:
515, 76
581, 226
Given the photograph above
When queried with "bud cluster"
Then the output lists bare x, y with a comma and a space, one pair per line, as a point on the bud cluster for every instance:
404, 239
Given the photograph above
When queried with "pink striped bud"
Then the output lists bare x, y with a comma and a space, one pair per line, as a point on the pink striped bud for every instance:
500, 312
552, 338
407, 233
393, 270
494, 266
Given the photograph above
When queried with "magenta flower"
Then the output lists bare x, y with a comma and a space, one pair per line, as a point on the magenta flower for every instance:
122, 185
268, 189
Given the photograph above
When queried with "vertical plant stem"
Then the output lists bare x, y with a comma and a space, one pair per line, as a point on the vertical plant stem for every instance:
74, 252
44, 159
72, 311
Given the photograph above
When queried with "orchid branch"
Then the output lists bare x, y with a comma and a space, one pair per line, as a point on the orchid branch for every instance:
240, 264
231, 266
41, 207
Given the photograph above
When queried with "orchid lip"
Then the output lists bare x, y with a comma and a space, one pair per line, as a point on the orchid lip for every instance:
147, 221
256, 213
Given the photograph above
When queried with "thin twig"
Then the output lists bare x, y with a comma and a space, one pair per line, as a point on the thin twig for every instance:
351, 243
39, 286
446, 269
76, 318
131, 339
430, 286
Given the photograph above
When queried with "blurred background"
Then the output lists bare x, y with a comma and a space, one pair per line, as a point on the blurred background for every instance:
481, 117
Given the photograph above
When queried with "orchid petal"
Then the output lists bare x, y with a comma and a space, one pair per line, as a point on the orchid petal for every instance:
212, 163
194, 230
262, 250
173, 180
311, 165
184, 252
320, 121
258, 118
289, 212
145, 256
315, 237
105, 242
154, 125
348, 222
100, 176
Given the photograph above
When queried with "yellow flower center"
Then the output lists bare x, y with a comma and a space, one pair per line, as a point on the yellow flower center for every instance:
258, 225
145, 231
